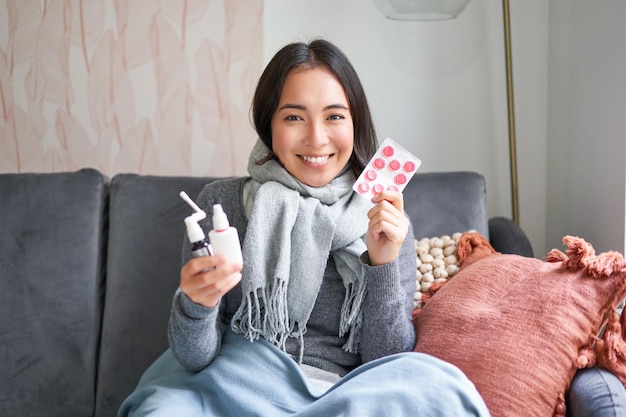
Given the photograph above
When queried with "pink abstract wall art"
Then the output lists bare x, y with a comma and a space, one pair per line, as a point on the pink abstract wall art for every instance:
145, 86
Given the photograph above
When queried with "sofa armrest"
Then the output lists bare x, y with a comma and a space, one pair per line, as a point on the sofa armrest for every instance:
507, 237
51, 274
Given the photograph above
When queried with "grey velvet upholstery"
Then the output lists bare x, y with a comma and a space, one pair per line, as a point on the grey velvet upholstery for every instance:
88, 268
51, 254
446, 203
146, 234
508, 237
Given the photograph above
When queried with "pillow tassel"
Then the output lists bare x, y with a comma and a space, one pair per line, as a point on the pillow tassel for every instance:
605, 265
611, 349
578, 252
586, 356
555, 255
559, 409
472, 247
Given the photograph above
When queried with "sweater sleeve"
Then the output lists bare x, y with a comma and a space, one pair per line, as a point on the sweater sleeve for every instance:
387, 322
194, 331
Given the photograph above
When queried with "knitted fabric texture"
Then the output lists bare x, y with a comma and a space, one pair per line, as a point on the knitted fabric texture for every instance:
436, 263
520, 327
292, 230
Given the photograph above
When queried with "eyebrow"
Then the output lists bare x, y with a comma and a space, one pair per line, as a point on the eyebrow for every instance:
301, 107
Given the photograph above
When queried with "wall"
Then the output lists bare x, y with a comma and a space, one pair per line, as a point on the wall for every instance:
151, 86
587, 124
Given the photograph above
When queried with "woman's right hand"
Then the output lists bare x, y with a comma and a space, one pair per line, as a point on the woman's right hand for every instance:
206, 279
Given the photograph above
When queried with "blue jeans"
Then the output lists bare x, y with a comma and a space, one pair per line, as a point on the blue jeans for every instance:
596, 392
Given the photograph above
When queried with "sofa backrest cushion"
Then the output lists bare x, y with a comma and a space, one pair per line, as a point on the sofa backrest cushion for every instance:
146, 233
444, 203
50, 274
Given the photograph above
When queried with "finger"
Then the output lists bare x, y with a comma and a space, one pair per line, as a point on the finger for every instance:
391, 206
393, 224
213, 293
198, 273
202, 264
394, 197
206, 277
384, 211
208, 287
391, 231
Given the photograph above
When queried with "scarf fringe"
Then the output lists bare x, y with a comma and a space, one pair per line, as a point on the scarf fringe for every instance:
264, 312
352, 315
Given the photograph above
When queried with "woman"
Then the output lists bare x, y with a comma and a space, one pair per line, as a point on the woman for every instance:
316, 321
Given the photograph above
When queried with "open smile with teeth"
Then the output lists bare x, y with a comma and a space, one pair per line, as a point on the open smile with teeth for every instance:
315, 159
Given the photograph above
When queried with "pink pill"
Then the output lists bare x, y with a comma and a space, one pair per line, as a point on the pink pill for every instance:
379, 163
400, 179
393, 188
363, 187
388, 151
409, 166
378, 188
370, 174
394, 165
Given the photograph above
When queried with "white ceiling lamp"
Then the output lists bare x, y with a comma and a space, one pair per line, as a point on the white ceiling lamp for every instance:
421, 9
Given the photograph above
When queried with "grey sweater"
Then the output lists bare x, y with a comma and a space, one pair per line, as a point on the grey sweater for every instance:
195, 331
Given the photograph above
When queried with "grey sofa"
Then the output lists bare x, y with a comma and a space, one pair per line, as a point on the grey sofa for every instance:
88, 266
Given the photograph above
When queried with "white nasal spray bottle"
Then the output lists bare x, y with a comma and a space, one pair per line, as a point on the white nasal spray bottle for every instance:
224, 238
199, 245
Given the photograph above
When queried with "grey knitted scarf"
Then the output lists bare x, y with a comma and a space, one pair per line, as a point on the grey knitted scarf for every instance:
293, 229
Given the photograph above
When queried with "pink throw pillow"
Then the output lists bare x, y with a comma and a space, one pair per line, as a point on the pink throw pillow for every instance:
520, 327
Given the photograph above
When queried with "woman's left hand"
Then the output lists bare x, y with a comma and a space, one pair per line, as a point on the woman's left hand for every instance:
388, 227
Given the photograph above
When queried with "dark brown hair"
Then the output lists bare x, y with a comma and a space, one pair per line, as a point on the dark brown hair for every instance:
317, 53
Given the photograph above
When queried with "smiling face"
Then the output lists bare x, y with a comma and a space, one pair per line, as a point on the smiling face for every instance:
312, 128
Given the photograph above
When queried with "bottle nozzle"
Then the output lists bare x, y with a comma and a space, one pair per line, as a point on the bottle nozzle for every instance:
220, 221
189, 201
194, 231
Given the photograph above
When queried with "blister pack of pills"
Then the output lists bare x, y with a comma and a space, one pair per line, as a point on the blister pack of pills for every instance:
390, 168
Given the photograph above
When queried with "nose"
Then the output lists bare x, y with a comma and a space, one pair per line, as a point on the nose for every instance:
317, 135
